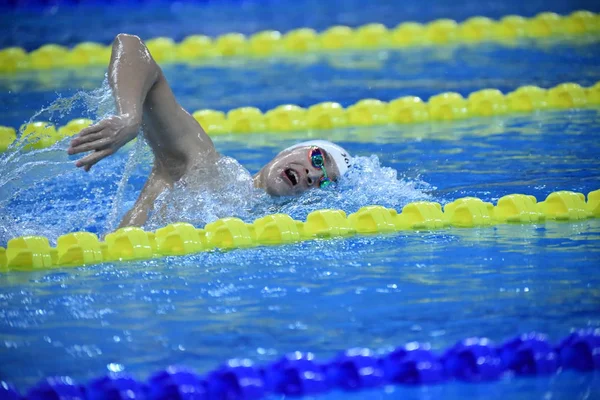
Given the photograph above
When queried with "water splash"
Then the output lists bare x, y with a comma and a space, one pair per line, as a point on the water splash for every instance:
222, 190
42, 193
230, 192
57, 198
366, 183
139, 154
16, 160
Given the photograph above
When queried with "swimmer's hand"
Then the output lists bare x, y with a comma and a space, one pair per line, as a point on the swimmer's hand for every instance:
104, 139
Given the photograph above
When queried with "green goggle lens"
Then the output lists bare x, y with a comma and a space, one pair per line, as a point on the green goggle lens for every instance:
317, 160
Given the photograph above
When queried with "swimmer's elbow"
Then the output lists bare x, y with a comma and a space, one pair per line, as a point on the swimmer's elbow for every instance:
133, 48
126, 37
130, 44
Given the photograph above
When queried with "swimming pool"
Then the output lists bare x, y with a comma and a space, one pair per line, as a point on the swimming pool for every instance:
324, 296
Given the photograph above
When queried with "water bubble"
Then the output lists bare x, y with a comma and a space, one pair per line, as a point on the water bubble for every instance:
114, 367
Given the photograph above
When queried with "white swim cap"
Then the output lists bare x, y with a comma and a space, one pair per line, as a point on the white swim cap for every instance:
339, 154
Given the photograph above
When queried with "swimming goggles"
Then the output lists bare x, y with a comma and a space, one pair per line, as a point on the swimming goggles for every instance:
318, 161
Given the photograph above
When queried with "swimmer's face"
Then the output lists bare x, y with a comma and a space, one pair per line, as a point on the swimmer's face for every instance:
292, 172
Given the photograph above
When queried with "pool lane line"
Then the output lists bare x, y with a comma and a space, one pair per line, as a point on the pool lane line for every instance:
269, 43
448, 106
472, 360
33, 253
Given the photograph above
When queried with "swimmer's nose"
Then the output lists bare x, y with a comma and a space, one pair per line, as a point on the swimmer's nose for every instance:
311, 177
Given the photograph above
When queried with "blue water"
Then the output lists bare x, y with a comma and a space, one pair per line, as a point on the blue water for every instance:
326, 295
322, 296
91, 20
345, 78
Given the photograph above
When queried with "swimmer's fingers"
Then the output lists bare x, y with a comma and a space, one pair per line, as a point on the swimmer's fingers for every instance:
86, 135
79, 141
91, 159
99, 144
93, 128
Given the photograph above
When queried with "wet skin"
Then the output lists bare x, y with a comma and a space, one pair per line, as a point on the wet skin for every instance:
291, 172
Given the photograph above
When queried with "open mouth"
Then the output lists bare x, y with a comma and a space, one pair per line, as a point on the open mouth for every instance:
292, 176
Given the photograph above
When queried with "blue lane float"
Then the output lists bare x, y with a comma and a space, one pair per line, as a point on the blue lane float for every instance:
300, 374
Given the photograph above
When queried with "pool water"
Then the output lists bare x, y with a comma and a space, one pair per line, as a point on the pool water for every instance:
31, 27
323, 296
345, 78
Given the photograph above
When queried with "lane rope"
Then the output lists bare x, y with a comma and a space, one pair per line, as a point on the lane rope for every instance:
448, 106
30, 253
509, 29
470, 360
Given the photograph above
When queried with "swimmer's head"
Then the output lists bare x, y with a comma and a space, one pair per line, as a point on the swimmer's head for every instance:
304, 166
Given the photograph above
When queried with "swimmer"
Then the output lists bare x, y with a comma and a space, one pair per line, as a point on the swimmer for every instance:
144, 101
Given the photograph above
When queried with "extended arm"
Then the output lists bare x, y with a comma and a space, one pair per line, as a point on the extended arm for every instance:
144, 99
